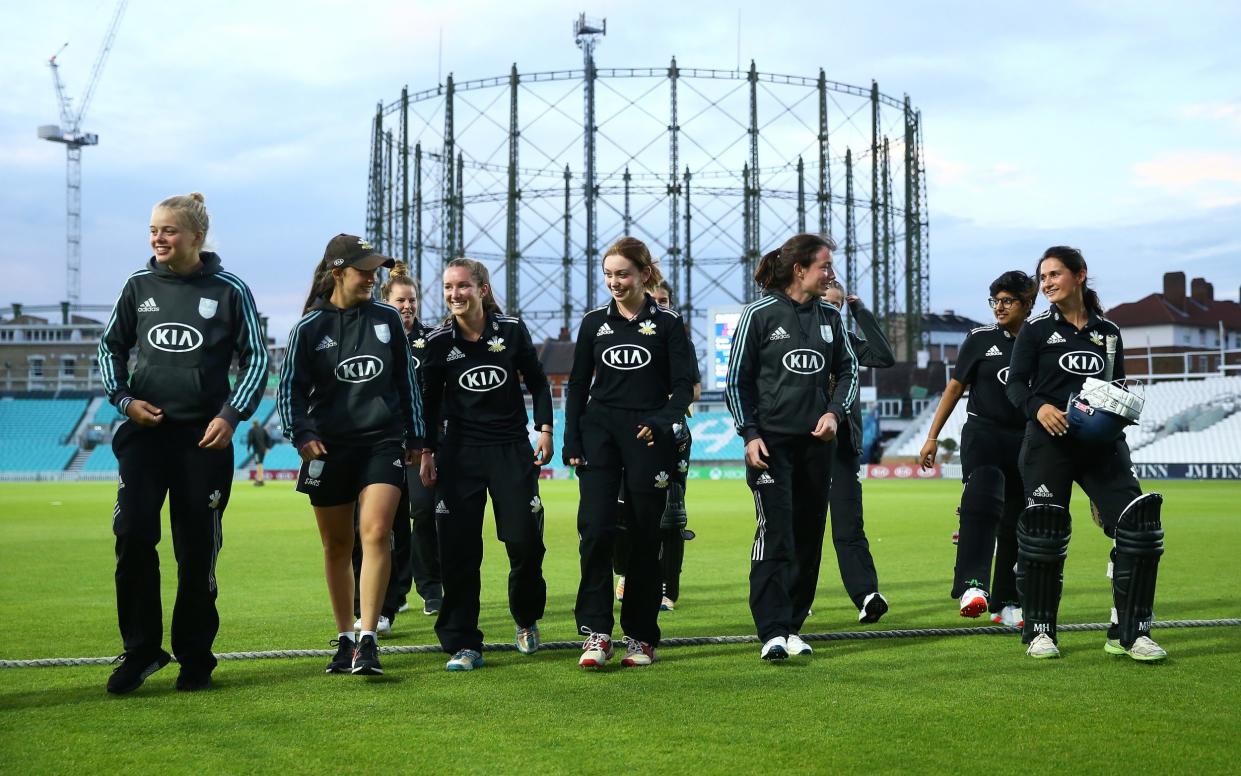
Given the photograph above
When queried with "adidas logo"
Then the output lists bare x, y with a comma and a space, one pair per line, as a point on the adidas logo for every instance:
148, 306
994, 351
454, 354
325, 343
765, 479
779, 334
604, 329
1055, 338
1042, 492
441, 508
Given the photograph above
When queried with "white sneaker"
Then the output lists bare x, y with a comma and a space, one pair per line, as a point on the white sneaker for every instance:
667, 605
873, 607
1145, 649
973, 602
797, 646
1010, 616
596, 651
1043, 647
775, 649
382, 630
357, 625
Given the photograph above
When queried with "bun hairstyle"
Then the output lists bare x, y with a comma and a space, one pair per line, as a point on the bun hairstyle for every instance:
397, 276
1017, 283
481, 277
1074, 262
191, 210
775, 269
636, 251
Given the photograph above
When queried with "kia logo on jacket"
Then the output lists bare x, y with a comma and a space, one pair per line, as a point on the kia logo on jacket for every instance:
482, 378
174, 337
1082, 362
626, 357
359, 369
803, 361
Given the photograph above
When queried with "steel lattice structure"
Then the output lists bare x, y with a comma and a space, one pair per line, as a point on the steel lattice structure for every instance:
711, 168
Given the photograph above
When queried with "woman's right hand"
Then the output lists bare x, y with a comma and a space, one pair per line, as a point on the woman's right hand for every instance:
926, 456
755, 452
426, 469
1054, 421
144, 413
312, 450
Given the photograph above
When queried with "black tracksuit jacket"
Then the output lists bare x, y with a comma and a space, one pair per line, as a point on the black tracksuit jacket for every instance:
871, 349
348, 378
186, 329
471, 389
784, 358
642, 364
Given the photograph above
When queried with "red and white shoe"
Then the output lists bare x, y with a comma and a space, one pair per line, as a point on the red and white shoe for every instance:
596, 651
973, 603
638, 653
1010, 616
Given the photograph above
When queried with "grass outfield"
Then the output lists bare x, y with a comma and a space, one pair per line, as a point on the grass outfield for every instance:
930, 704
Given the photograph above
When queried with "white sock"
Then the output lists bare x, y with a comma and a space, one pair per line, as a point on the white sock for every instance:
365, 633
343, 635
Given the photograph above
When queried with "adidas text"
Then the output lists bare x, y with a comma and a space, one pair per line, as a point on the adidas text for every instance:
148, 306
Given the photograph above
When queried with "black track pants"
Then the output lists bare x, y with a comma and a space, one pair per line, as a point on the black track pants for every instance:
857, 567
157, 462
986, 444
467, 475
612, 452
790, 500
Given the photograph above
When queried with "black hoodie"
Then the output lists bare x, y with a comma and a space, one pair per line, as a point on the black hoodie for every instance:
186, 329
348, 378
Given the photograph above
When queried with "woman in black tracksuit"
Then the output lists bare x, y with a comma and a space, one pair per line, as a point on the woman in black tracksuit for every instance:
471, 372
788, 347
992, 497
349, 402
631, 381
187, 318
1053, 355
857, 566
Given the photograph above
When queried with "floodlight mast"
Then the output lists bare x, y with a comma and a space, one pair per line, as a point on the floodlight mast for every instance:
70, 133
587, 33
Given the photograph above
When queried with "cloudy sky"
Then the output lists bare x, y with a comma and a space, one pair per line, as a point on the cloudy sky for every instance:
1089, 123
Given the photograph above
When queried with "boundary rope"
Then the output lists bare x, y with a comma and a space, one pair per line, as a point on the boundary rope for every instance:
689, 641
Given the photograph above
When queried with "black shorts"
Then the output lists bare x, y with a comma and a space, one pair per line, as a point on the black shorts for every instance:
340, 475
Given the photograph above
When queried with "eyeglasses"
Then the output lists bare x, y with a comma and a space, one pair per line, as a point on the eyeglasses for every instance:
1005, 302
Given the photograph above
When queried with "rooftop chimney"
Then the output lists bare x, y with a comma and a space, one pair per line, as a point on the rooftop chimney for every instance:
1202, 291
1174, 289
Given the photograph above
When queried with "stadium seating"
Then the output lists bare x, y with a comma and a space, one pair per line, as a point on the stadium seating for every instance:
1166, 400
1219, 443
32, 433
918, 434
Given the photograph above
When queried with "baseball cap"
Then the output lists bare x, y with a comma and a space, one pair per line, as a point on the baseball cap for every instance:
347, 250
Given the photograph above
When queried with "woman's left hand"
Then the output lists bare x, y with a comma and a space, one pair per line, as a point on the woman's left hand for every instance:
647, 434
825, 429
217, 436
543, 451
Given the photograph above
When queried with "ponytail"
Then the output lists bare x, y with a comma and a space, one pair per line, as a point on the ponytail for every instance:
775, 269
322, 284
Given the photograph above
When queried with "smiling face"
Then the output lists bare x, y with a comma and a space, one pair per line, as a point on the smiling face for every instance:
815, 279
626, 283
172, 241
1008, 309
1058, 283
353, 286
462, 294
404, 298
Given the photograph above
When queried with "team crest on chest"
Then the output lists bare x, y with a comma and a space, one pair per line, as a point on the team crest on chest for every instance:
1096, 338
383, 333
825, 331
421, 342
207, 307
647, 328
495, 344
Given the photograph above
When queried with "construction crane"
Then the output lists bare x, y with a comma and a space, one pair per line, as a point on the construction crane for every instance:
69, 132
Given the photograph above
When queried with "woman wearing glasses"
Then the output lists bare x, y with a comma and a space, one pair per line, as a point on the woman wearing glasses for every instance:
992, 497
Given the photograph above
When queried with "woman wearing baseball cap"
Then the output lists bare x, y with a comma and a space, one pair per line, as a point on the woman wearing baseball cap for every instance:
349, 402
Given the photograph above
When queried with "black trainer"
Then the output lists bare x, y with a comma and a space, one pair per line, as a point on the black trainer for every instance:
342, 661
190, 680
366, 657
134, 670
